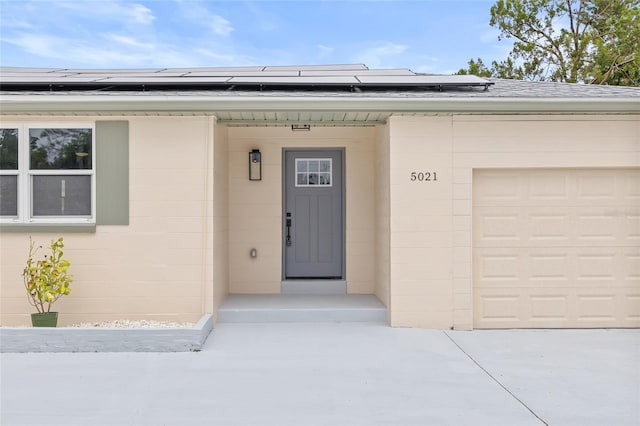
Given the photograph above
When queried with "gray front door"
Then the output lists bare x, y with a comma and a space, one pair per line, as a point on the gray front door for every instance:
313, 214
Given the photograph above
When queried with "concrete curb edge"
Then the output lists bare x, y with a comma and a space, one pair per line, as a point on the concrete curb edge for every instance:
67, 339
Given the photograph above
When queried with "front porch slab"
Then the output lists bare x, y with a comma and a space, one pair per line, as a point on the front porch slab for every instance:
259, 308
69, 339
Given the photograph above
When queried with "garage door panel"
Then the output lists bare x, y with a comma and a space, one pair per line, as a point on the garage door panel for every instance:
556, 266
579, 187
529, 307
494, 227
630, 186
598, 266
548, 267
499, 187
631, 307
631, 265
562, 251
555, 226
598, 225
534, 307
615, 308
596, 307
549, 307
548, 226
596, 185
495, 308
546, 186
631, 222
498, 267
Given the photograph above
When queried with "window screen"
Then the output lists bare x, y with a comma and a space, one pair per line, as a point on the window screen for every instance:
61, 195
8, 195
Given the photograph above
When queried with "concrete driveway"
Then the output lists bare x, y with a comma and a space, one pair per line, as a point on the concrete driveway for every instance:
338, 374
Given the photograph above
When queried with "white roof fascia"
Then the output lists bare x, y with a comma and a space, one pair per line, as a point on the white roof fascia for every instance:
16, 104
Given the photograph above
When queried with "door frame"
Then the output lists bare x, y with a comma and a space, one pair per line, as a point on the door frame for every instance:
284, 206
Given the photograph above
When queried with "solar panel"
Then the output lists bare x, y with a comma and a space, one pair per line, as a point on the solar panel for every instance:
4, 74
167, 80
328, 80
48, 80
357, 72
352, 67
258, 74
26, 70
348, 76
114, 71
417, 80
227, 70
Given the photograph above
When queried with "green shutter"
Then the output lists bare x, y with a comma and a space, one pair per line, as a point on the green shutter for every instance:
112, 172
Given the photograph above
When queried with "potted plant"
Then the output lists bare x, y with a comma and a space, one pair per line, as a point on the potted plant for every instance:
46, 280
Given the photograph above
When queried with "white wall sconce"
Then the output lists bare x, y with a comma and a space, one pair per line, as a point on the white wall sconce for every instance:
255, 165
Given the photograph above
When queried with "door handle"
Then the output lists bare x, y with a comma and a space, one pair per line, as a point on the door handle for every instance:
288, 223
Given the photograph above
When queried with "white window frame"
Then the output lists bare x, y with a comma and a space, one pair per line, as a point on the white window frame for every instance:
318, 185
25, 174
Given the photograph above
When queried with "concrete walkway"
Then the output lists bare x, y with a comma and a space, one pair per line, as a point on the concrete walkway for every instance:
337, 374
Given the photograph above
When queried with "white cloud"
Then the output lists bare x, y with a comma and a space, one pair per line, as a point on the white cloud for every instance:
383, 54
141, 14
127, 41
70, 50
176, 33
105, 33
70, 31
263, 17
113, 51
14, 24
325, 50
221, 58
199, 14
219, 25
109, 9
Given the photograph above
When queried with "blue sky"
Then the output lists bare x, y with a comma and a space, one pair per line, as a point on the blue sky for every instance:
426, 36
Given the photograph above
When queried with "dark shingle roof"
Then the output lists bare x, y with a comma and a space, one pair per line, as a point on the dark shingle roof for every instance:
322, 94
356, 81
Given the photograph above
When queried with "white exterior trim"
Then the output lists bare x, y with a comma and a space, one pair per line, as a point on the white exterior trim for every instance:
85, 105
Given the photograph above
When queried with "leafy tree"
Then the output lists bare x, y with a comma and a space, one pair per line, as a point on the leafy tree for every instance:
591, 41
505, 69
617, 49
476, 68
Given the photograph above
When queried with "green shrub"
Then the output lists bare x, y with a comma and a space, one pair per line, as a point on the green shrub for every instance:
46, 280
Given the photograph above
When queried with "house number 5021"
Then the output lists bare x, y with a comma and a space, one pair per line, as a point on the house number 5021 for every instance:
424, 177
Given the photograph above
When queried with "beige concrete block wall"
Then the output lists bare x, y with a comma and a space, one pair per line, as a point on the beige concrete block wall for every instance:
382, 207
158, 267
220, 217
421, 225
532, 141
255, 207
431, 222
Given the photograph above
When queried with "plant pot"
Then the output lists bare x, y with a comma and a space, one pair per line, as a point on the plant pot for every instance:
48, 319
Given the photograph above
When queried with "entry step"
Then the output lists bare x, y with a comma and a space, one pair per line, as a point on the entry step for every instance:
260, 308
314, 287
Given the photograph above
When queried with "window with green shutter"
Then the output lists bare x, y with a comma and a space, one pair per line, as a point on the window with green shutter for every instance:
68, 176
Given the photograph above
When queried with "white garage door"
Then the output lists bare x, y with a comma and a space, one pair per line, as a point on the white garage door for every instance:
556, 248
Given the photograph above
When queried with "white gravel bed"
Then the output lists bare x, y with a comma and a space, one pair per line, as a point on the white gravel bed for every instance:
134, 324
